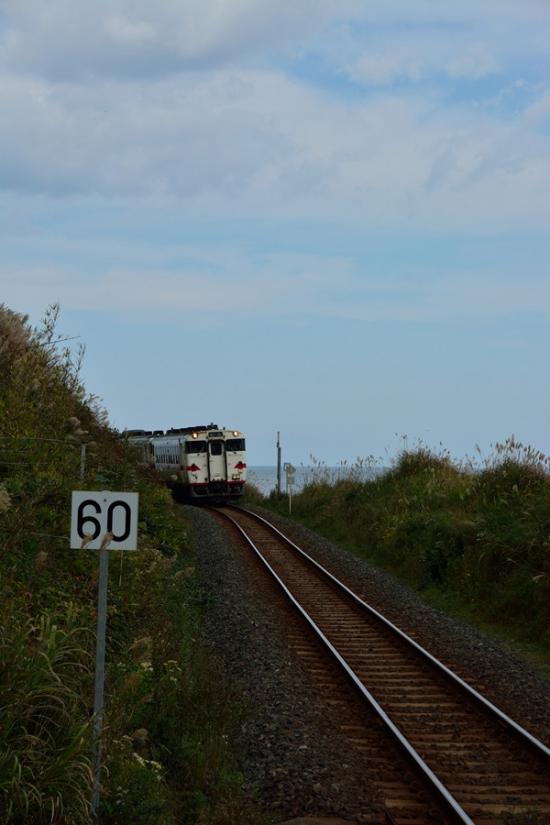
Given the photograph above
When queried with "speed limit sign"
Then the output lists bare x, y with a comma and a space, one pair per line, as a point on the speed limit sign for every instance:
94, 514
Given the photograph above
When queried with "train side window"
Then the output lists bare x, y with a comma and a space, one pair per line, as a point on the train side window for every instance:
216, 447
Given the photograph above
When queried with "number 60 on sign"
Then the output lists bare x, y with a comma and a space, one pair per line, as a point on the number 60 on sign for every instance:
93, 514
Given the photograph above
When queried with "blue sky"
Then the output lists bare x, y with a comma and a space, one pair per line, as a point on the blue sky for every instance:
325, 218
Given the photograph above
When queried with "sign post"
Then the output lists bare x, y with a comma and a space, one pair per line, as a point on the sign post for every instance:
99, 686
290, 471
100, 521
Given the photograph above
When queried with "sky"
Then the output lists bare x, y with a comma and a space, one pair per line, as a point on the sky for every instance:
327, 218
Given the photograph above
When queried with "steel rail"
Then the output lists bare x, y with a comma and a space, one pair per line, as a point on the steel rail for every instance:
448, 802
527, 738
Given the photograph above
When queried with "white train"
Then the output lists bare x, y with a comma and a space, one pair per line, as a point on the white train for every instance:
203, 463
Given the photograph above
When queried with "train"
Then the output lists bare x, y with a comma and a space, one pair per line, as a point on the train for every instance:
204, 464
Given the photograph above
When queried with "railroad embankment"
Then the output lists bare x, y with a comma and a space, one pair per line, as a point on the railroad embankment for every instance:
167, 707
474, 540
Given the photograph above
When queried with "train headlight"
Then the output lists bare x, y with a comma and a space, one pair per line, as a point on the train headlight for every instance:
195, 435
235, 432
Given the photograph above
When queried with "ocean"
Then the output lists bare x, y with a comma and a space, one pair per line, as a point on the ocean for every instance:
265, 478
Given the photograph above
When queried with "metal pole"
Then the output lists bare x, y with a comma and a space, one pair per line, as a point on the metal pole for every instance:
82, 461
100, 666
278, 463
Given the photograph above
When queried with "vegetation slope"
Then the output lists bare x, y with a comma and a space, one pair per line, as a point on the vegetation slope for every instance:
475, 539
167, 707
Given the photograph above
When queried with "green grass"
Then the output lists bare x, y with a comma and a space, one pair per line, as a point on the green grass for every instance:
473, 540
168, 710
453, 605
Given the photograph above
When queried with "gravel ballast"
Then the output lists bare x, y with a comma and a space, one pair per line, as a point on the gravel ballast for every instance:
291, 757
489, 665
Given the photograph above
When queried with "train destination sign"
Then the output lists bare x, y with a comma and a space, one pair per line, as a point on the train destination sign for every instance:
94, 514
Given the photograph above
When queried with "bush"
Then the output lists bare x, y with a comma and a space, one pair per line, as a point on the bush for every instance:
423, 460
252, 494
45, 773
479, 534
157, 755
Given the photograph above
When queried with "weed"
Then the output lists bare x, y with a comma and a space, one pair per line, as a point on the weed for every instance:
167, 757
45, 734
478, 530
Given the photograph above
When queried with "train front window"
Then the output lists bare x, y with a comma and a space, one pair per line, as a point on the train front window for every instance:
234, 444
216, 447
196, 446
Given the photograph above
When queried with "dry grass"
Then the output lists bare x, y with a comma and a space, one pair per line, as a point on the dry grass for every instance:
478, 530
166, 751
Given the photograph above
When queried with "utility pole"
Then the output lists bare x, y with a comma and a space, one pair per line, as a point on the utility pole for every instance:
278, 463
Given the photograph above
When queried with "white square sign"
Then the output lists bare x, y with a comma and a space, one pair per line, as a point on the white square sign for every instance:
95, 513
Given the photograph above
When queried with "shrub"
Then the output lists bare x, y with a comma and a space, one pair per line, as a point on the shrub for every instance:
45, 734
480, 533
47, 617
252, 494
412, 463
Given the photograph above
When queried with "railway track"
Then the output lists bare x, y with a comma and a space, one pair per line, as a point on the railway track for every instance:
474, 763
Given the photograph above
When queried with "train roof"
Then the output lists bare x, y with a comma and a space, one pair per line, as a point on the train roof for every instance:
175, 431
185, 430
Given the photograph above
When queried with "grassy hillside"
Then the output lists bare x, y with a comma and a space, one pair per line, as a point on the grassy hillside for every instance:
167, 708
476, 540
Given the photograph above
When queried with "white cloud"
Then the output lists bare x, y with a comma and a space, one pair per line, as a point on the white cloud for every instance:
389, 12
64, 39
257, 143
221, 285
423, 54
453, 297
135, 37
215, 282
125, 100
537, 114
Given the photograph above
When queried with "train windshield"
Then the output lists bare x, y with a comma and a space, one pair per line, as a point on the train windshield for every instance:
216, 447
196, 446
234, 444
